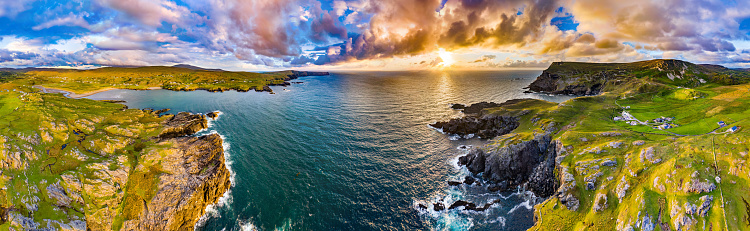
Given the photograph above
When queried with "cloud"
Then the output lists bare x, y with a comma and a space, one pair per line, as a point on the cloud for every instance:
10, 8
7, 56
151, 12
284, 33
69, 20
484, 58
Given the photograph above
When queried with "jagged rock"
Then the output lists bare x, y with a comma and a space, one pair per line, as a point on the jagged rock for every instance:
567, 180
454, 183
600, 203
438, 206
459, 203
570, 202
622, 188
690, 209
591, 180
485, 127
705, 205
183, 124
638, 142
696, 186
682, 222
647, 223
647, 154
213, 115
57, 192
469, 180
614, 144
530, 162
19, 220
608, 163
658, 186
476, 108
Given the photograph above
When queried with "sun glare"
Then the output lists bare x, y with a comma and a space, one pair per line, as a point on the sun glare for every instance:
447, 58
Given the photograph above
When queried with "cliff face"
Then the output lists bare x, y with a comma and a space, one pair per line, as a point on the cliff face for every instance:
553, 83
529, 163
183, 124
194, 177
90, 165
573, 78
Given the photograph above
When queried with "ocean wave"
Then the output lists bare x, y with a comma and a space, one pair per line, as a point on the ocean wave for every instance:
213, 210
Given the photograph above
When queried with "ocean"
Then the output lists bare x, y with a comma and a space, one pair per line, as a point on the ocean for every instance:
350, 151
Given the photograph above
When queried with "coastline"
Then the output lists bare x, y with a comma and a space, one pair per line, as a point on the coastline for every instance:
73, 95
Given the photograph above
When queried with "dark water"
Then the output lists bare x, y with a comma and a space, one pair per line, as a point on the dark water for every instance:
349, 151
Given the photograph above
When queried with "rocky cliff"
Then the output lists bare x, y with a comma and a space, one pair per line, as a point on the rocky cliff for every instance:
529, 163
194, 177
72, 164
574, 78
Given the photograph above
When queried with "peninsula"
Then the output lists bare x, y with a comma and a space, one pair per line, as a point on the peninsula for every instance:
601, 170
81, 164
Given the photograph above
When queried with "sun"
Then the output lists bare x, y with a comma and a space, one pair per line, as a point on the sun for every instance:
447, 58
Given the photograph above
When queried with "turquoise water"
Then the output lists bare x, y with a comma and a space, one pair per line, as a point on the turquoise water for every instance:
349, 151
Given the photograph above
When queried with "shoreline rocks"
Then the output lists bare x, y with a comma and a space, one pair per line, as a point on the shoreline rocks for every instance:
529, 163
485, 127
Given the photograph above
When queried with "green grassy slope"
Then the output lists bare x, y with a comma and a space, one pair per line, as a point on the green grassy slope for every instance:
140, 78
659, 166
48, 139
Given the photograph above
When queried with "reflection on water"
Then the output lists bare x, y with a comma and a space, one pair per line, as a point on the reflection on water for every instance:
349, 151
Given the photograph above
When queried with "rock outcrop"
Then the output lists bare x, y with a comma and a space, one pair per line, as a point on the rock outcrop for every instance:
529, 163
183, 124
195, 177
553, 83
475, 108
486, 127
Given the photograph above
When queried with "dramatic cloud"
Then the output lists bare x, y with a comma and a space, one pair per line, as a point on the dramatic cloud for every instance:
272, 34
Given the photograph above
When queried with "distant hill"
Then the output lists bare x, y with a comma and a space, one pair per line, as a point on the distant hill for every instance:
577, 78
191, 67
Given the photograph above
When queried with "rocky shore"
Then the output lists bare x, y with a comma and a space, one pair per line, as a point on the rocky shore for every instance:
166, 185
528, 164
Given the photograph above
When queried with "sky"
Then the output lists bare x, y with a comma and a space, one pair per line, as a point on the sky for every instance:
259, 35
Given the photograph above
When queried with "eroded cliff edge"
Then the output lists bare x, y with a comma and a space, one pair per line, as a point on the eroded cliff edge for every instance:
90, 165
514, 162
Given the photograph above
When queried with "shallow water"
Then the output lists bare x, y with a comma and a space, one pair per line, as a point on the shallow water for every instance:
349, 151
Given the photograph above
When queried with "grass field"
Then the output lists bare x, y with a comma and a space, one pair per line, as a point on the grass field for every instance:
49, 139
141, 78
585, 124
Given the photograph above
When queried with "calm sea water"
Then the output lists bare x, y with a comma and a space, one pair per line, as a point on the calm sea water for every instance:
349, 151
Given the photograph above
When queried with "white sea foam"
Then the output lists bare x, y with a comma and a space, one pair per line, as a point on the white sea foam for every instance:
226, 199
528, 203
247, 226
500, 220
